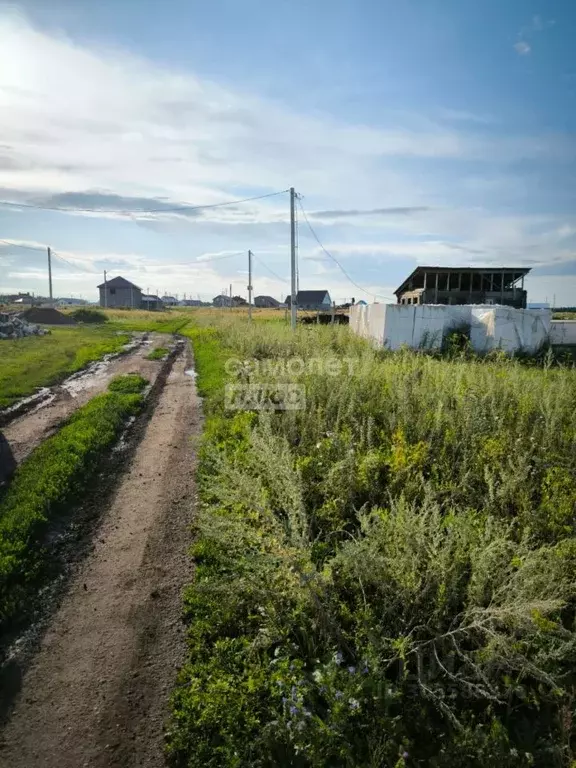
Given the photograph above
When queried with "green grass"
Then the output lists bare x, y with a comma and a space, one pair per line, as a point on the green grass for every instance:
158, 354
385, 578
129, 384
47, 483
39, 361
144, 321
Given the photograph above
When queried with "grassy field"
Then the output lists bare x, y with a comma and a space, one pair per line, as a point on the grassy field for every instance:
387, 576
37, 361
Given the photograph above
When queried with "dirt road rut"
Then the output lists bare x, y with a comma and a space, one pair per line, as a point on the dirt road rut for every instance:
26, 432
96, 693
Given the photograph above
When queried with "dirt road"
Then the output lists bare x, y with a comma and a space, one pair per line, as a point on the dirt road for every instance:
96, 694
26, 432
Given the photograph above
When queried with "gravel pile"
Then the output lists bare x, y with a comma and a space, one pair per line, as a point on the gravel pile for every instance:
14, 327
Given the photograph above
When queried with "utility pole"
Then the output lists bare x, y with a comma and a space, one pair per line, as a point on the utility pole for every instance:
292, 259
249, 285
105, 292
50, 273
230, 295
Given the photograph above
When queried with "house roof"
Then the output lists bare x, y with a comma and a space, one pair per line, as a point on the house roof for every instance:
267, 298
118, 282
150, 297
516, 272
311, 297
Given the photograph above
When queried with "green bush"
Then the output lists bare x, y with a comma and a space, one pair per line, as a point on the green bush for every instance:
46, 483
130, 383
157, 354
385, 578
89, 316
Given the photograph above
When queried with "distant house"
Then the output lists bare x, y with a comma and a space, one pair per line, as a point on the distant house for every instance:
192, 303
151, 302
312, 300
120, 293
465, 285
266, 302
221, 301
169, 301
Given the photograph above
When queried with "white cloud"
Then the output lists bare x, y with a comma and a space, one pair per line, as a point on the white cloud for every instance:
125, 133
522, 48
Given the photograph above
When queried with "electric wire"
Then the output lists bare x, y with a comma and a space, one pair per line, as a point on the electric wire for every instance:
37, 248
175, 209
335, 260
263, 263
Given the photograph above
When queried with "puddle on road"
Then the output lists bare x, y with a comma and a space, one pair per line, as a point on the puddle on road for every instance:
191, 372
86, 379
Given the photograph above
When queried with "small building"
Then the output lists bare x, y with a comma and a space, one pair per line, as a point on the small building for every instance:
222, 301
312, 300
192, 303
120, 293
266, 302
151, 301
464, 285
169, 301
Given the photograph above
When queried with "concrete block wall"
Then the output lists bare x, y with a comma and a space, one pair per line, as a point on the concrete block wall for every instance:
425, 325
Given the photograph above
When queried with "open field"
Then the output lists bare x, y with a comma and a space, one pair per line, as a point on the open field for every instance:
382, 575
38, 361
386, 577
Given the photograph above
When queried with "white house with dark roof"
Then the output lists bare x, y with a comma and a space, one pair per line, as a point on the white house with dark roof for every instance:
120, 293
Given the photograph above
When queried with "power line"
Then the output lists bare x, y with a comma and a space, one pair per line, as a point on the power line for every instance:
175, 209
283, 279
335, 260
37, 248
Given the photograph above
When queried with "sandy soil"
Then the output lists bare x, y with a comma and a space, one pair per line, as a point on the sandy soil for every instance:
26, 432
96, 693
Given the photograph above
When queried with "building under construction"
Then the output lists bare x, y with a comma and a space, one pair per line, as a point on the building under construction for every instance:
464, 285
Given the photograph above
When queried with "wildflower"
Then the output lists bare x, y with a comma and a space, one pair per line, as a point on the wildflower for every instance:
339, 694
354, 703
307, 713
405, 755
293, 710
338, 658
300, 726
322, 689
352, 670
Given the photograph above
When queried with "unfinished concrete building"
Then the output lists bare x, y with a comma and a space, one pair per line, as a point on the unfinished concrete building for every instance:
465, 285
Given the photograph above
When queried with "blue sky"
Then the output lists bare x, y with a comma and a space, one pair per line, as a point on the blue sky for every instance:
439, 132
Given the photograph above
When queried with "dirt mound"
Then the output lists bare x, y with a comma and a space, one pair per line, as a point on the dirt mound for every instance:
47, 316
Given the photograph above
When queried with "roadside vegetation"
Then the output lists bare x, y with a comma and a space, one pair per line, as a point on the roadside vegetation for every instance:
387, 577
157, 354
85, 315
39, 361
131, 383
49, 481
144, 321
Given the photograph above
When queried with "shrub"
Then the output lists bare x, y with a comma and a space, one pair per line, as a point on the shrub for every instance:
384, 578
89, 316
